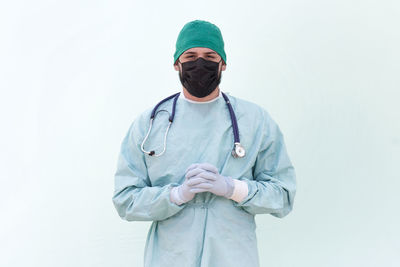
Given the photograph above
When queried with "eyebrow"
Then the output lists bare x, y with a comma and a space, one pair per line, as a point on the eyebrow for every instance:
190, 52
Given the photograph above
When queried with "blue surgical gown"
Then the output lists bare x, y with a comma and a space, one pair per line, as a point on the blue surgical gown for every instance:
209, 230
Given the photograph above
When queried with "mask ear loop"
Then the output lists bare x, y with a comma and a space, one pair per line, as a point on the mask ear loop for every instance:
180, 68
220, 71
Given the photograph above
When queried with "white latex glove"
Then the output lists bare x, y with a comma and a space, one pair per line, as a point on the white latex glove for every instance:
226, 186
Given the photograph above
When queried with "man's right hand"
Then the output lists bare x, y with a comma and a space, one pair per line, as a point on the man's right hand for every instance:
181, 194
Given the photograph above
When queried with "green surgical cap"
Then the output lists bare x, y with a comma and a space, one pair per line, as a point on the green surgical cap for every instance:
199, 33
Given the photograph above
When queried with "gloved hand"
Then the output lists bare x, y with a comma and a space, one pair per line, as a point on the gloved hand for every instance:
182, 193
207, 178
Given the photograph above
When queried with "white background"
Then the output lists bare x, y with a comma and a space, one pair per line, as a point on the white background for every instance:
74, 75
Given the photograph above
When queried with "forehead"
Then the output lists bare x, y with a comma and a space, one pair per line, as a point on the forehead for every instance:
199, 50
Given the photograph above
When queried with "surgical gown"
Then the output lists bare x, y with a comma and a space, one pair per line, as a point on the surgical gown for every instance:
209, 230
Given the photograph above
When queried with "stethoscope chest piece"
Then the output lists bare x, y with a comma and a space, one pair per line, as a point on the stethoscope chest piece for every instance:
238, 151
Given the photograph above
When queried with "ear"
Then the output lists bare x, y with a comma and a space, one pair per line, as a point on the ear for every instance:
223, 67
176, 67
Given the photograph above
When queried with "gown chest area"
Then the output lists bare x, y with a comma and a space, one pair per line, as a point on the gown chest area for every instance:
199, 133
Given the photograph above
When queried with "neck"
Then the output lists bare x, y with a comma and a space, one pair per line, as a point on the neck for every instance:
211, 96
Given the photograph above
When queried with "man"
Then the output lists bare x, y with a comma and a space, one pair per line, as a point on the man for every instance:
201, 195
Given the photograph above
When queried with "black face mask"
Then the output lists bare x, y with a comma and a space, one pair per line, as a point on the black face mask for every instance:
200, 77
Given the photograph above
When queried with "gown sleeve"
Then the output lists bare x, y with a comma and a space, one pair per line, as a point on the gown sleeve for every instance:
274, 186
134, 198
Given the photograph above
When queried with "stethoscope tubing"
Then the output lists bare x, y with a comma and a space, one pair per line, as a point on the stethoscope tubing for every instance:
233, 119
238, 150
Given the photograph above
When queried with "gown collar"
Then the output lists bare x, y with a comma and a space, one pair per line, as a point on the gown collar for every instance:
181, 95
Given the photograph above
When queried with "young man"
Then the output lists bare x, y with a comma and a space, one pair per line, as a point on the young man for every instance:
198, 178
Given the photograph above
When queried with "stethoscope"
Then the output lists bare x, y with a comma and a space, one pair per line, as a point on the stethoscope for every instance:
238, 150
